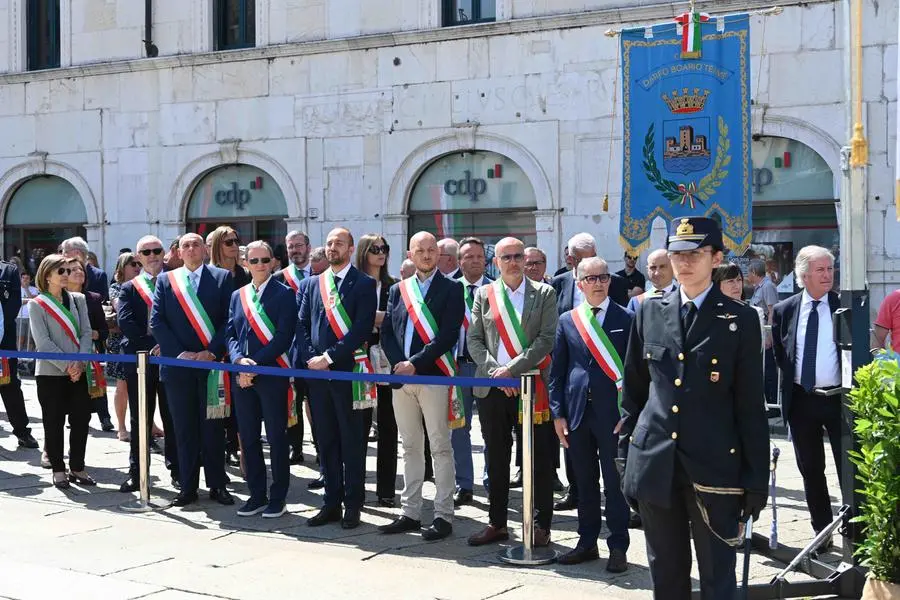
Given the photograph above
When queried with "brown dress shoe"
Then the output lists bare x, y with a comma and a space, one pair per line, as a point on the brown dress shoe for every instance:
489, 535
541, 537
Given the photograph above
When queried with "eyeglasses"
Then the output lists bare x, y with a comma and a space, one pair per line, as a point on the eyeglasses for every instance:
508, 258
593, 279
376, 250
63, 271
135, 264
153, 251
689, 255
231, 241
256, 261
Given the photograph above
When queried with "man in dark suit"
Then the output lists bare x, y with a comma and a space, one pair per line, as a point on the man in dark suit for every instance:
261, 324
568, 296
694, 429
809, 360
135, 304
425, 312
188, 318
96, 279
585, 383
10, 386
330, 337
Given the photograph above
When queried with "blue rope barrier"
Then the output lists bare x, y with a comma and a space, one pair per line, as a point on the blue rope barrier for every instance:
276, 371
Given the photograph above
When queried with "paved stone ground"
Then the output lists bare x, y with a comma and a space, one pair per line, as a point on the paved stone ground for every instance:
80, 545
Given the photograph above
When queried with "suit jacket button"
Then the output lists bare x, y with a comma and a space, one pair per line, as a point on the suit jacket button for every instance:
680, 356
715, 361
648, 355
675, 408
674, 435
677, 383
731, 451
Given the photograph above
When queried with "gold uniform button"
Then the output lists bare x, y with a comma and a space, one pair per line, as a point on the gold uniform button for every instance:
674, 436
675, 408
677, 383
680, 356
715, 361
731, 451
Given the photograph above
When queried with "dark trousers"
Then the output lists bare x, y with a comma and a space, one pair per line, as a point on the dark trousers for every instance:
668, 531
809, 415
59, 397
499, 414
154, 389
771, 377
594, 436
386, 469
197, 437
14, 401
101, 406
342, 445
265, 400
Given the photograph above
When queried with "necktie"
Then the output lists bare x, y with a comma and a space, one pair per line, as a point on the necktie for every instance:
595, 310
195, 280
465, 351
808, 368
688, 314
337, 283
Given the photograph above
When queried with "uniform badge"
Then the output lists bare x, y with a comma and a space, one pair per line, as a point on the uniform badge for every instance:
727, 316
714, 377
733, 327
6, 294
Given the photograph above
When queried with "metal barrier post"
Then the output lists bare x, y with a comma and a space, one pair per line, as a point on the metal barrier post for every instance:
143, 504
527, 554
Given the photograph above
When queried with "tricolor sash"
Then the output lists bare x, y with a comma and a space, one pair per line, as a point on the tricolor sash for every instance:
364, 393
293, 276
145, 287
5, 374
218, 388
264, 329
64, 317
512, 336
600, 346
427, 328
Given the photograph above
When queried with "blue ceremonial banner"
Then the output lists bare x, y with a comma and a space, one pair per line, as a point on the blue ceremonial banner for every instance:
686, 101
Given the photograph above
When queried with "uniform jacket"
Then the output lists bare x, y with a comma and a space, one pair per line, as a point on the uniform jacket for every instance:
539, 320
565, 291
574, 371
785, 317
280, 306
96, 281
49, 336
447, 305
11, 300
133, 317
314, 334
700, 398
173, 330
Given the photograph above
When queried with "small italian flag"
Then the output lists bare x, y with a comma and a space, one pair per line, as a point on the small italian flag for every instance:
691, 33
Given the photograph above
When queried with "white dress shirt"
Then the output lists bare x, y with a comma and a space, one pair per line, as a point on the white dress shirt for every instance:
828, 371
424, 286
601, 314
195, 276
259, 290
698, 301
517, 297
460, 344
651, 289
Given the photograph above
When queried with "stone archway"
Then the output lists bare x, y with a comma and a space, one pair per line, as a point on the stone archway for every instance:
815, 138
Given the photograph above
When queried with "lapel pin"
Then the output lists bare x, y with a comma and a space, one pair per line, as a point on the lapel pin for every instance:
727, 316
714, 377
733, 327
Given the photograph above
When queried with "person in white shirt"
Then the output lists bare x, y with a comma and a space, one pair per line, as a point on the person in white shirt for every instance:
660, 276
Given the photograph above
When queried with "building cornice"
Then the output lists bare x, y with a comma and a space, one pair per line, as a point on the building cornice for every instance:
610, 17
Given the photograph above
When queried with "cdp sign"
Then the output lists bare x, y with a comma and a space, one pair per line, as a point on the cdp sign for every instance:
466, 187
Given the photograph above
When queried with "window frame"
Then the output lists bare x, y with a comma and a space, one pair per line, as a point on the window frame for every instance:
220, 25
449, 17
33, 36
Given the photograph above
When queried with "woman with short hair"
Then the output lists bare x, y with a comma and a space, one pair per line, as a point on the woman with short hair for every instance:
59, 323
730, 279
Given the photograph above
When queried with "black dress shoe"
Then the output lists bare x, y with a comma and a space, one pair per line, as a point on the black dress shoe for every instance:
221, 495
176, 483
462, 497
439, 530
386, 502
635, 521
28, 441
130, 485
350, 520
401, 524
316, 484
579, 555
516, 481
106, 424
324, 516
155, 448
296, 457
568, 502
617, 562
184, 498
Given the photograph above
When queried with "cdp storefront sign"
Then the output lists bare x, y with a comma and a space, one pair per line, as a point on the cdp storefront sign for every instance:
472, 187
237, 196
236, 191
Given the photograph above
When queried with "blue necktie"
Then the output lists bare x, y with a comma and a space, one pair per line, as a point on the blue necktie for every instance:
810, 344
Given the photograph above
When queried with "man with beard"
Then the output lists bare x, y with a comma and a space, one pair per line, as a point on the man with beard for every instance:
336, 317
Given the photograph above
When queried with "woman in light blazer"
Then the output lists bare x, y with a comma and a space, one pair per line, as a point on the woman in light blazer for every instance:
59, 323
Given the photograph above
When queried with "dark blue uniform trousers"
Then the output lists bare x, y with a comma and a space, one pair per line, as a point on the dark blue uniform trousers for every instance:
195, 434
340, 432
265, 400
594, 436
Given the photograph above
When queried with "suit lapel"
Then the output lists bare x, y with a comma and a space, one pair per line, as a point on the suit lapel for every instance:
432, 289
528, 305
794, 322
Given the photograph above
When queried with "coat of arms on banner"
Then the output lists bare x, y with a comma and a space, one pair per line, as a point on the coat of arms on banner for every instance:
686, 97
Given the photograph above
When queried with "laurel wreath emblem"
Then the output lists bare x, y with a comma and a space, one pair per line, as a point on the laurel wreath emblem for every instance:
672, 191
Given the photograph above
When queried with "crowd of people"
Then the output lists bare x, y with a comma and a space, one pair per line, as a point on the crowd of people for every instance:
651, 384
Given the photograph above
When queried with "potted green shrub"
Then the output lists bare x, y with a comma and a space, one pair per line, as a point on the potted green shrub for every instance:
875, 404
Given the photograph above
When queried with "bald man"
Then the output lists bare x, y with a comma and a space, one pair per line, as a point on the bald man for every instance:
660, 276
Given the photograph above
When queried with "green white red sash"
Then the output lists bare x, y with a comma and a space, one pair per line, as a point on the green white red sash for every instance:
264, 329
293, 276
600, 346
218, 386
364, 393
64, 317
5, 373
427, 328
145, 287
512, 336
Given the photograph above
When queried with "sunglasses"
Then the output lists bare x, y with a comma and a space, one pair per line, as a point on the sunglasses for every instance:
231, 241
153, 251
135, 264
376, 250
592, 279
64, 271
256, 261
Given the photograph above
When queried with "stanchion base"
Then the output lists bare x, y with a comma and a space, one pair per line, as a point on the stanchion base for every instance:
136, 506
537, 556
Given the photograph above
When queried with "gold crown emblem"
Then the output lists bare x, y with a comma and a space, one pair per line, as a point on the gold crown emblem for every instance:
685, 228
686, 102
